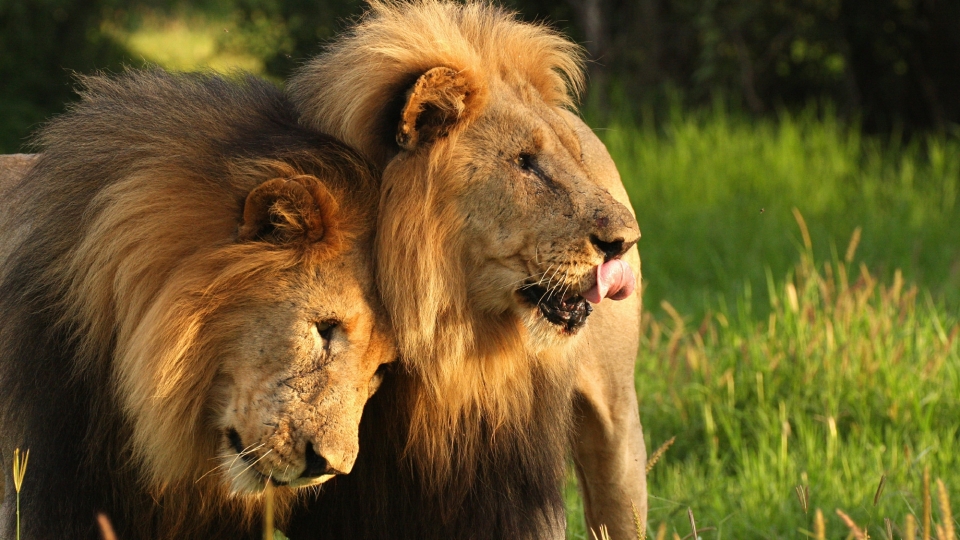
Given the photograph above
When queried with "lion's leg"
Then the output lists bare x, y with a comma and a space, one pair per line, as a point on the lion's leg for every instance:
608, 446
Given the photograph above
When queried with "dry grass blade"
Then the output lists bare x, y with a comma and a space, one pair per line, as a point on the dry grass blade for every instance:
604, 533
910, 532
855, 530
693, 523
926, 503
268, 511
876, 496
852, 246
804, 232
889, 526
19, 471
945, 514
106, 529
19, 467
662, 531
638, 523
819, 527
803, 495
659, 453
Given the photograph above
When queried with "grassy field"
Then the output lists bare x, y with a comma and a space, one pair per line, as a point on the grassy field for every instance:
714, 195
785, 348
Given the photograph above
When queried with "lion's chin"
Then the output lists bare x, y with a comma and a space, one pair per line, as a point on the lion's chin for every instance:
254, 483
306, 482
567, 314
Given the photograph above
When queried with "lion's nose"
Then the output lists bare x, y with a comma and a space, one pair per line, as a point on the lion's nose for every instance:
613, 228
317, 465
609, 250
611, 246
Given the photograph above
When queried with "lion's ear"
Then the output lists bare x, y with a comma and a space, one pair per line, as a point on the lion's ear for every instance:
288, 211
435, 103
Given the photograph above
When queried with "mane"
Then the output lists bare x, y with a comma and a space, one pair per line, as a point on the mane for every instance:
116, 298
354, 90
483, 391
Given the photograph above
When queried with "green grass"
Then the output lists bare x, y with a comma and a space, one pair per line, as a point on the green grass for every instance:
830, 372
188, 39
846, 380
714, 192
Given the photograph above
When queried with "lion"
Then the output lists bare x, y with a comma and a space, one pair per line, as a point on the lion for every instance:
188, 311
503, 225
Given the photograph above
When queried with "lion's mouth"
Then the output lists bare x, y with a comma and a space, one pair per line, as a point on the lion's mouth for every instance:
247, 457
569, 313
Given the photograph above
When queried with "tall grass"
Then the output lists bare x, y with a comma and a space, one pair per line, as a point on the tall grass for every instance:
714, 192
794, 383
848, 380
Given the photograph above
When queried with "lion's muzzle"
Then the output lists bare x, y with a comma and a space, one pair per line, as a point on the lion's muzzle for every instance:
568, 313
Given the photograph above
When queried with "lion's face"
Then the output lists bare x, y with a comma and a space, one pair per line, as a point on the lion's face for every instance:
305, 356
259, 354
535, 229
304, 348
538, 224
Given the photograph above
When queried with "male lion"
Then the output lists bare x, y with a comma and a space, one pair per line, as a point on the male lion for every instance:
501, 214
187, 311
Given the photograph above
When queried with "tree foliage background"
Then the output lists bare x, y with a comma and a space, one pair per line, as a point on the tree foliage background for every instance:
891, 64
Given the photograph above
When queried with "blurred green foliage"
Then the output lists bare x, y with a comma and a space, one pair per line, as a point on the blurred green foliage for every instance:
41, 42
714, 193
890, 63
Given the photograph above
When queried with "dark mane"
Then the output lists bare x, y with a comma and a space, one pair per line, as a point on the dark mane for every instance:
512, 491
58, 394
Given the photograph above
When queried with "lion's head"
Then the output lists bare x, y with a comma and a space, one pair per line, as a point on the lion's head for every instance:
493, 230
209, 263
262, 351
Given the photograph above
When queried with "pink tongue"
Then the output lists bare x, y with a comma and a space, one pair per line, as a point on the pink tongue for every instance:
615, 280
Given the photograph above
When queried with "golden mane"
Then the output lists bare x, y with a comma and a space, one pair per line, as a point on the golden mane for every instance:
478, 375
354, 90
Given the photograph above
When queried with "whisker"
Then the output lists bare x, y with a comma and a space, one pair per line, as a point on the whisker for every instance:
202, 476
543, 275
253, 447
265, 454
526, 279
550, 281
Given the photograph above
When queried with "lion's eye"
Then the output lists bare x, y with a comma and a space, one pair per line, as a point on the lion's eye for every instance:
325, 329
525, 161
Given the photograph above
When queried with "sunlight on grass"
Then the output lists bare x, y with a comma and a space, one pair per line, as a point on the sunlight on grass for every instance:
794, 387
189, 42
843, 397
19, 471
713, 191
847, 380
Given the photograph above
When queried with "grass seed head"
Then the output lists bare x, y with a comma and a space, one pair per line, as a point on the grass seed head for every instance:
19, 467
659, 453
819, 527
946, 516
855, 530
876, 497
638, 523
